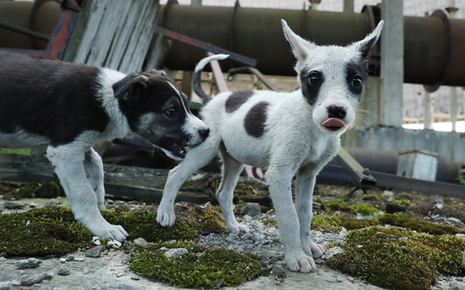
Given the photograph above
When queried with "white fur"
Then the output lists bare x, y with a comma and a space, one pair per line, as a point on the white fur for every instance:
294, 144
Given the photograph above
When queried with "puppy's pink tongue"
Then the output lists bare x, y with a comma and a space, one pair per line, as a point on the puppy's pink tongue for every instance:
333, 124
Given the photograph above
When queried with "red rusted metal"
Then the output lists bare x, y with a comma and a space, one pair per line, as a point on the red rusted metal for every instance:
63, 30
205, 46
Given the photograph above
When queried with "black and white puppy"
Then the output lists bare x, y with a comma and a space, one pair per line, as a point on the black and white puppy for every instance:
291, 134
68, 107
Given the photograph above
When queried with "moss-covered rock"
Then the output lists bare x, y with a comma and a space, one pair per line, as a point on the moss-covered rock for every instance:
399, 258
335, 223
191, 219
364, 209
201, 267
41, 231
408, 221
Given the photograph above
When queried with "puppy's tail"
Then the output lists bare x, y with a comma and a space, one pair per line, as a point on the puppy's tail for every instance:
196, 80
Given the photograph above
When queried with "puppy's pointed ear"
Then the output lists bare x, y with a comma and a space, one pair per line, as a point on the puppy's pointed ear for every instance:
129, 86
364, 46
300, 47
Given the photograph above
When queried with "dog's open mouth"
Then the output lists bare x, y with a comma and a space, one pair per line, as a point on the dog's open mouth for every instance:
333, 124
175, 147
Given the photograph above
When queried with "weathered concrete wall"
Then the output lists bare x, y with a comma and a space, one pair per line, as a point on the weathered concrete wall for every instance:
451, 145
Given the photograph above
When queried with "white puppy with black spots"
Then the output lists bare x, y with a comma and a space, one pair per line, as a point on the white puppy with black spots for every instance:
290, 134
69, 107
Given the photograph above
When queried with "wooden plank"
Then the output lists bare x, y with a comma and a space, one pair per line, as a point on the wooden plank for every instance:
127, 64
106, 32
145, 36
118, 49
158, 53
97, 8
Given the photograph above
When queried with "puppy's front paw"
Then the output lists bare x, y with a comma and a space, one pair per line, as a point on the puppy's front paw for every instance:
314, 250
301, 263
237, 228
165, 216
109, 231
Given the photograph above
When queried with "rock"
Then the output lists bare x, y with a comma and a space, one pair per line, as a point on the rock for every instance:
114, 244
141, 242
94, 252
53, 202
258, 237
33, 205
175, 253
16, 283
5, 285
460, 279
64, 270
247, 236
388, 193
29, 280
12, 205
70, 258
62, 260
3, 259
29, 263
278, 270
351, 279
49, 275
250, 209
232, 237
332, 251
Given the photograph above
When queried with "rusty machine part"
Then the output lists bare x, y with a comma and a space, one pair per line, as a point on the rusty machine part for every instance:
433, 53
433, 45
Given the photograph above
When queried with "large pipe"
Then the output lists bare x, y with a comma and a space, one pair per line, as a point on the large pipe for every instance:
433, 52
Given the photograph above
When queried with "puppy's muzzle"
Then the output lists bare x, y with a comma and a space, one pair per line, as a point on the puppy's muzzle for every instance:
335, 121
195, 140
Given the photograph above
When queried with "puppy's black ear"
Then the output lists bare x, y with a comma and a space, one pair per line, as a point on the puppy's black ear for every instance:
364, 46
130, 86
158, 72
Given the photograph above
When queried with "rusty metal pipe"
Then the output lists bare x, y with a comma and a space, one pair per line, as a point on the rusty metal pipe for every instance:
433, 53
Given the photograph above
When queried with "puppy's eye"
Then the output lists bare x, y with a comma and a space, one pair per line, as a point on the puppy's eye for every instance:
314, 78
357, 81
171, 111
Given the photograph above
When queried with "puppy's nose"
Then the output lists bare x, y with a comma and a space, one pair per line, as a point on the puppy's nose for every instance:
204, 133
336, 112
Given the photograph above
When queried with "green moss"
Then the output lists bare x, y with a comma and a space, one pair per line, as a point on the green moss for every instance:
201, 267
398, 258
339, 204
364, 209
41, 231
16, 151
270, 223
144, 224
335, 223
408, 221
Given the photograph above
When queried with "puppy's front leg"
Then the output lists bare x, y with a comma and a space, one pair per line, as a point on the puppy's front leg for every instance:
94, 169
305, 183
279, 180
67, 161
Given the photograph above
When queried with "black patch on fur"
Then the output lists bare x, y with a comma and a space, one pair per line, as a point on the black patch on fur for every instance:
237, 99
255, 119
352, 70
49, 98
310, 91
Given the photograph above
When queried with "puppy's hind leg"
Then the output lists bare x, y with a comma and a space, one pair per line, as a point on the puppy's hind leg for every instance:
67, 161
305, 182
196, 158
94, 170
231, 171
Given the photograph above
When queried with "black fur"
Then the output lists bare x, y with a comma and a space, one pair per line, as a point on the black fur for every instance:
255, 120
59, 104
309, 90
237, 99
354, 69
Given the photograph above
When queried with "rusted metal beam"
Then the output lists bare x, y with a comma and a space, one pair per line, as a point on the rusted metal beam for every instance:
63, 30
361, 176
205, 46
